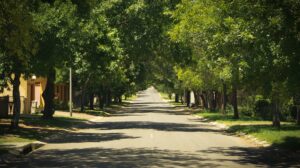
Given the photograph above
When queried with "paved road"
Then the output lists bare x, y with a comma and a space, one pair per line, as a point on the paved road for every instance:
148, 133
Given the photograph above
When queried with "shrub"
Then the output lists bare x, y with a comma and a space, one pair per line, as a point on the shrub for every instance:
293, 110
262, 109
246, 111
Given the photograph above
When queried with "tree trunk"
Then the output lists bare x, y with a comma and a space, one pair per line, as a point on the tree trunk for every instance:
17, 101
207, 98
181, 99
204, 101
170, 96
196, 97
276, 115
116, 99
213, 101
82, 102
224, 98
104, 97
101, 101
109, 98
298, 115
86, 100
48, 95
120, 99
234, 102
235, 81
91, 101
176, 97
188, 98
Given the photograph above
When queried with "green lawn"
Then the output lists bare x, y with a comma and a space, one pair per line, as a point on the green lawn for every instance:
131, 98
14, 138
229, 120
165, 96
56, 122
287, 137
33, 128
95, 112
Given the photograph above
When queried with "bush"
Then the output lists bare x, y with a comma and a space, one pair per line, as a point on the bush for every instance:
289, 111
293, 110
262, 109
246, 111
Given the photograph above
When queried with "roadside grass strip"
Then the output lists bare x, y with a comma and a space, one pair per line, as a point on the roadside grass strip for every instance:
287, 137
34, 128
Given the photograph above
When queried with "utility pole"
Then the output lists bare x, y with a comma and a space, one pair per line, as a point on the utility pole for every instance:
70, 92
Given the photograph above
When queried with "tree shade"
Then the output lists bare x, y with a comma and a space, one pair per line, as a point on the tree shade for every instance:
226, 52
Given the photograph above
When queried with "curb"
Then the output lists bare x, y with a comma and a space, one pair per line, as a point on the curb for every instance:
24, 149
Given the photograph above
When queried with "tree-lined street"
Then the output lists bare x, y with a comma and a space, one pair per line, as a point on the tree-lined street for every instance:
150, 133
84, 77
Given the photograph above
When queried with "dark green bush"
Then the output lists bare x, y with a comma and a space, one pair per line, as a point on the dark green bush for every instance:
246, 111
293, 112
262, 109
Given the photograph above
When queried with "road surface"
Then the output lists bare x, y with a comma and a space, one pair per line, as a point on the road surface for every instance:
149, 133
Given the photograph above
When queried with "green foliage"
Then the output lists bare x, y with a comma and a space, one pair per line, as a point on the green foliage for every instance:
16, 33
122, 46
241, 43
262, 109
55, 24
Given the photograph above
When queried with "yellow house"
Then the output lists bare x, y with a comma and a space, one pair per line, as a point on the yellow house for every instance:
31, 93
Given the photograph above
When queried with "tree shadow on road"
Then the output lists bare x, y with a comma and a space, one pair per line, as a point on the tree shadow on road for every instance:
109, 157
160, 126
146, 157
144, 108
77, 137
259, 156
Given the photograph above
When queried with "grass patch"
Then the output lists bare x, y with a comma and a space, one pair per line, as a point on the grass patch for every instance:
34, 128
287, 137
165, 96
131, 98
118, 105
106, 111
13, 138
56, 122
95, 112
177, 103
229, 120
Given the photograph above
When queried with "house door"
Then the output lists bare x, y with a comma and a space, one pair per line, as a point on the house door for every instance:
37, 93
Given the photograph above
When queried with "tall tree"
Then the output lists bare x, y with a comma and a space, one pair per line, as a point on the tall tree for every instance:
56, 23
16, 47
